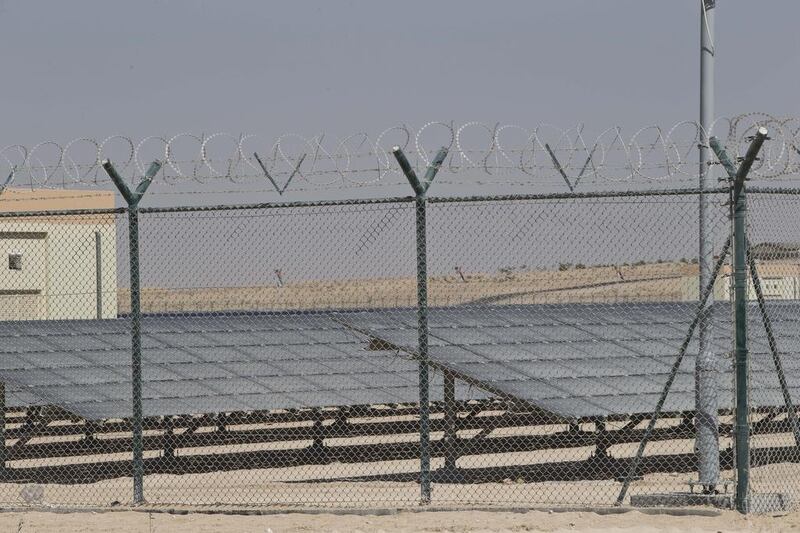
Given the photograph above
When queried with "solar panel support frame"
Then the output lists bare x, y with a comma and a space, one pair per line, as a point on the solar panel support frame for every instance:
450, 424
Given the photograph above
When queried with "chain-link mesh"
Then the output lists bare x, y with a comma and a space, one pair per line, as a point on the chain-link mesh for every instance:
59, 279
280, 350
276, 399
576, 310
773, 293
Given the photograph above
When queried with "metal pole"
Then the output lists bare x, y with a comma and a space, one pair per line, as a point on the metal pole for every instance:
422, 325
420, 188
706, 383
133, 198
98, 268
136, 354
742, 425
738, 208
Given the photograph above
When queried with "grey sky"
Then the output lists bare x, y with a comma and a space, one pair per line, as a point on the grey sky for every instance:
96, 68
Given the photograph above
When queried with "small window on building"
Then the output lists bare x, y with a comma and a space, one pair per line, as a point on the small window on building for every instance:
15, 261
772, 287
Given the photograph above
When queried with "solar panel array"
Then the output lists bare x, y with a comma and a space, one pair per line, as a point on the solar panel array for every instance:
203, 364
572, 360
587, 360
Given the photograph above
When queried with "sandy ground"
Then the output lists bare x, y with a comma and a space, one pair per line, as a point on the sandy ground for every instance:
641, 283
342, 485
452, 521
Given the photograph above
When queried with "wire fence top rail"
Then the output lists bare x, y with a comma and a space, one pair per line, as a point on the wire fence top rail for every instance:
392, 200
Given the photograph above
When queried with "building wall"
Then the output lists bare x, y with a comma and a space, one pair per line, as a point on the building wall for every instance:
774, 287
58, 276
48, 265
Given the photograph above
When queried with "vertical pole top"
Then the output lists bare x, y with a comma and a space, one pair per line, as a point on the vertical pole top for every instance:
408, 170
131, 197
420, 187
434, 167
738, 175
747, 162
752, 151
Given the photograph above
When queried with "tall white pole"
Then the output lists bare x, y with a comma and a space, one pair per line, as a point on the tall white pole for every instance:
706, 366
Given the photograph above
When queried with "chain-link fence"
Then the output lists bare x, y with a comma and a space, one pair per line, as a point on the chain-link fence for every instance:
773, 295
524, 350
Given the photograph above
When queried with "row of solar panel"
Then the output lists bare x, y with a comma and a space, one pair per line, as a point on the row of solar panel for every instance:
574, 360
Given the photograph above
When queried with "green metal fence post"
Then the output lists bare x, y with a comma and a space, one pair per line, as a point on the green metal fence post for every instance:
742, 432
738, 208
420, 189
132, 198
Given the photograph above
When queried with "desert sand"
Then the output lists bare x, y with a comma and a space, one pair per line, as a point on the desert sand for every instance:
404, 521
634, 283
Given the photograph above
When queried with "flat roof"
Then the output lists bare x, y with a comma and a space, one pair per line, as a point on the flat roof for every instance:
18, 199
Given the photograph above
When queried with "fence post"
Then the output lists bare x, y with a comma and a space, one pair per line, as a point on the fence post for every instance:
742, 435
738, 207
98, 268
420, 189
133, 198
706, 364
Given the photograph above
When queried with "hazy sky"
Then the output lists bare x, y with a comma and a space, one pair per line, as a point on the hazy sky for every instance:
96, 68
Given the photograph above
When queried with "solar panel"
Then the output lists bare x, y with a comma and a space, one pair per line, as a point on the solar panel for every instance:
583, 360
573, 360
194, 364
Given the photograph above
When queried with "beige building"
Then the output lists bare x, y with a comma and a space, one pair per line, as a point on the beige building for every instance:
59, 267
780, 280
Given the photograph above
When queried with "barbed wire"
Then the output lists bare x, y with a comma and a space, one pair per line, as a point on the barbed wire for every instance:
478, 153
